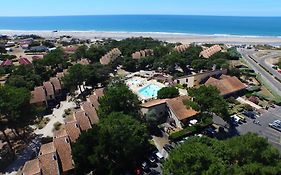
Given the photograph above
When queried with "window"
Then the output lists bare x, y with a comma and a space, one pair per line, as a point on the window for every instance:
54, 157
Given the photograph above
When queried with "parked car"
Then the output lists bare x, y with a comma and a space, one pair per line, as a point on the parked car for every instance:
249, 114
235, 120
242, 117
209, 132
152, 160
276, 125
158, 155
145, 167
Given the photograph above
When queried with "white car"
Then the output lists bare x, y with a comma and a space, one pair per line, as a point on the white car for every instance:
159, 156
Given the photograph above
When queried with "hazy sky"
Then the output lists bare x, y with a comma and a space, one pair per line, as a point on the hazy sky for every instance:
104, 7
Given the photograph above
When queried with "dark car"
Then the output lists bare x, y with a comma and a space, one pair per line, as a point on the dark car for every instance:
209, 132
249, 114
152, 160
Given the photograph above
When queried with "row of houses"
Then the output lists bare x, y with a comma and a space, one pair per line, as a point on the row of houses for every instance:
110, 56
142, 53
55, 158
50, 90
207, 53
181, 48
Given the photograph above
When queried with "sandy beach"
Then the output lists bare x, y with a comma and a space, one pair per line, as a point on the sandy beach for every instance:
169, 37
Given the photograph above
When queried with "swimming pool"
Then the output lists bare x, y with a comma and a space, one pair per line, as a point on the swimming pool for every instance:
150, 91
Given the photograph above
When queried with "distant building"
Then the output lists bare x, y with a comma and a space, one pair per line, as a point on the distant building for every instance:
227, 85
110, 56
24, 61
50, 93
38, 96
70, 49
196, 79
142, 53
38, 49
181, 48
7, 63
207, 53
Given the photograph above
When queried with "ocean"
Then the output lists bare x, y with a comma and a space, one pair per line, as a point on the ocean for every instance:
206, 25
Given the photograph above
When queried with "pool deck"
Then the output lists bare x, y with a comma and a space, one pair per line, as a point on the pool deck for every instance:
137, 83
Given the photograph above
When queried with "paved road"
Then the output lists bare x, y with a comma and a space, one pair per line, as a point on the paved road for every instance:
262, 60
273, 136
270, 80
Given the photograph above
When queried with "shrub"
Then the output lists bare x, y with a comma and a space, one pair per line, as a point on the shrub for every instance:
168, 92
57, 126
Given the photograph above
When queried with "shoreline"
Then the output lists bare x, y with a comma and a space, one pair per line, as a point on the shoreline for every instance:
184, 38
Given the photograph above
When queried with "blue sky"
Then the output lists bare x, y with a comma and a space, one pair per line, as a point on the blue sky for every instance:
107, 7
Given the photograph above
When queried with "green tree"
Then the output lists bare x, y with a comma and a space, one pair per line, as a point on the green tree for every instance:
115, 145
81, 52
55, 59
94, 53
76, 76
208, 99
2, 50
15, 109
247, 154
119, 98
168, 92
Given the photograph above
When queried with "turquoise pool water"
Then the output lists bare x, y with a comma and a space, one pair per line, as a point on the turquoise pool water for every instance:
150, 91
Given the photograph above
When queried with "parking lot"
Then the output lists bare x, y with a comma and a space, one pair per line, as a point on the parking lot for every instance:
262, 129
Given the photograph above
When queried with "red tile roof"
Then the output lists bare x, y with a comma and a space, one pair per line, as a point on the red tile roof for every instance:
110, 56
226, 84
47, 148
83, 120
49, 88
49, 163
62, 144
180, 110
73, 129
7, 63
207, 53
84, 61
91, 112
94, 100
153, 103
24, 61
38, 95
31, 167
56, 82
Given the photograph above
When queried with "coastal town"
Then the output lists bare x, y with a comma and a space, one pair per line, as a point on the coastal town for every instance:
138, 106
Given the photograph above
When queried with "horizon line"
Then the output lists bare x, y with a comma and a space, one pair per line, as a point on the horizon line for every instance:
28, 16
